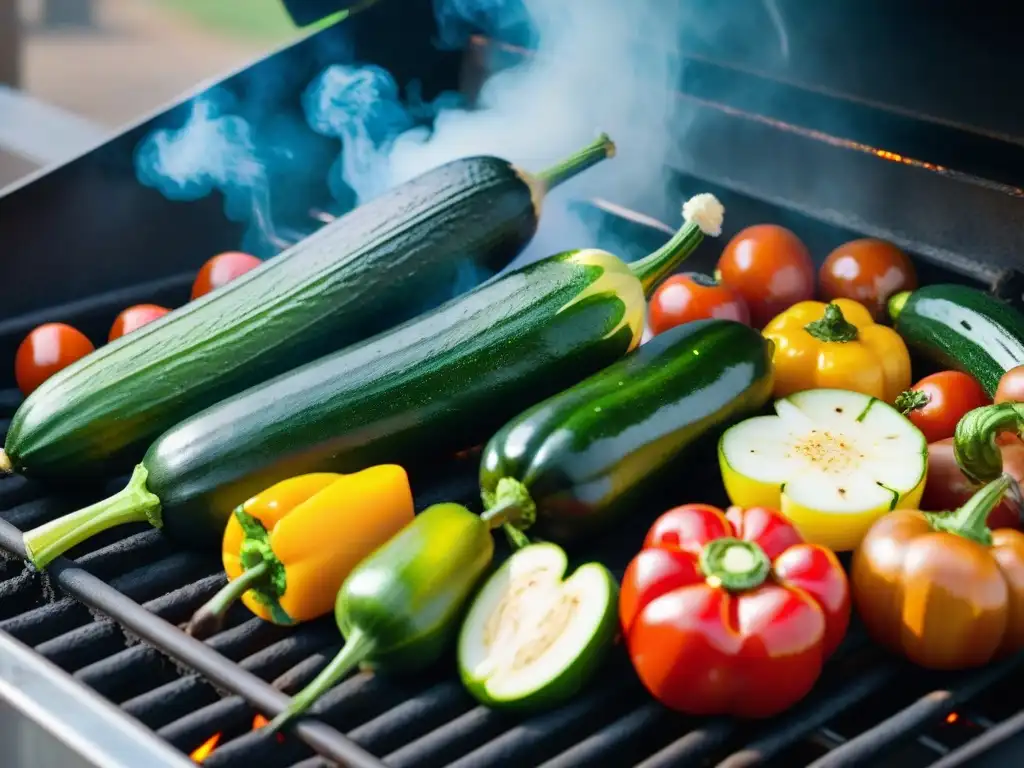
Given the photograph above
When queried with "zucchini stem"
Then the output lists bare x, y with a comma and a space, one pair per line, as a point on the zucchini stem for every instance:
601, 149
133, 504
702, 215
210, 617
358, 646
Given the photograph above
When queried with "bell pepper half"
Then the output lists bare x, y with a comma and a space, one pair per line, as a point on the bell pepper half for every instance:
837, 345
942, 589
731, 613
287, 550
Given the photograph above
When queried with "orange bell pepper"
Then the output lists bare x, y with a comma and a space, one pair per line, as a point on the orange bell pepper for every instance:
837, 346
287, 550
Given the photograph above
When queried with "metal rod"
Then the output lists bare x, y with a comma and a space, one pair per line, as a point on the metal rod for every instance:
10, 43
99, 596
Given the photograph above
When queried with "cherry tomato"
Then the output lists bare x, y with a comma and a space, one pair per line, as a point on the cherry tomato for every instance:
47, 349
937, 402
134, 318
769, 268
946, 488
868, 271
221, 270
1011, 386
693, 296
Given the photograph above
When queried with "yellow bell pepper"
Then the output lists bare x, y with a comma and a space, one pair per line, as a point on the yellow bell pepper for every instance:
287, 550
837, 345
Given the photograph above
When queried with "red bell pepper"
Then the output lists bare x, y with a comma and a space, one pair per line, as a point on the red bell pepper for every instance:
731, 612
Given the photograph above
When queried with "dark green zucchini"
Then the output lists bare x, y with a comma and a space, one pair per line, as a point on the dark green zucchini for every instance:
962, 328
399, 255
436, 384
570, 466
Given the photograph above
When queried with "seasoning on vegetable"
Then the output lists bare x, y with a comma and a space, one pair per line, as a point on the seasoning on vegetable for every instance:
533, 638
288, 549
401, 606
943, 589
976, 442
731, 613
837, 345
832, 461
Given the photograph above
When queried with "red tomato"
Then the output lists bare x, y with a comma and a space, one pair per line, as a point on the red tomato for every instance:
769, 268
221, 270
134, 318
868, 271
47, 349
731, 613
693, 296
946, 488
1011, 386
937, 402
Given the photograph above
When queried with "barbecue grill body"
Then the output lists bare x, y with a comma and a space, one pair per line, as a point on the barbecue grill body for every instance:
85, 239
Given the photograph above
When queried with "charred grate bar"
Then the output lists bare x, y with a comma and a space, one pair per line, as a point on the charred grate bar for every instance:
109, 618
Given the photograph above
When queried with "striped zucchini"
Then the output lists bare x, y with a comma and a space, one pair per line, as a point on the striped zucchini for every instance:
436, 384
384, 262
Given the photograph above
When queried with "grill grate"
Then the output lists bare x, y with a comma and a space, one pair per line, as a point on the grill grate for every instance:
109, 618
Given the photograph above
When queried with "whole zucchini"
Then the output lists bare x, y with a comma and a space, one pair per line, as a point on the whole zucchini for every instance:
399, 255
437, 383
573, 464
962, 328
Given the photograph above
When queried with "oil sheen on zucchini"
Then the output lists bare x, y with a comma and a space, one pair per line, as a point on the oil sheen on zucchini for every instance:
573, 464
400, 254
960, 327
436, 384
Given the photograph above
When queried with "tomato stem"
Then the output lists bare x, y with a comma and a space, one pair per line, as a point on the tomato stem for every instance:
911, 400
734, 564
974, 443
832, 326
971, 520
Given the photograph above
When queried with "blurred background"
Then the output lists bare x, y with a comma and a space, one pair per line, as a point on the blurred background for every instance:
112, 61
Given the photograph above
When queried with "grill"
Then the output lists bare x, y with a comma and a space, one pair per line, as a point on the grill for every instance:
92, 665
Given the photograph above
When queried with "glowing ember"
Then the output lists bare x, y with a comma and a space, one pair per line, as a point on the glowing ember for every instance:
952, 717
258, 722
204, 749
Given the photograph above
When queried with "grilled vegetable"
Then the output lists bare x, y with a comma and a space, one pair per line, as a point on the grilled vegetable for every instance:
937, 402
693, 296
831, 461
134, 318
770, 268
355, 277
948, 488
943, 589
731, 613
976, 443
868, 271
837, 345
595, 452
221, 270
47, 350
444, 381
962, 328
533, 638
400, 608
1011, 386
288, 549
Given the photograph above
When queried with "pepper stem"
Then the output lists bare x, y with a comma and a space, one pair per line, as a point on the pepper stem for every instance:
601, 149
358, 646
734, 564
911, 400
974, 443
210, 617
971, 520
896, 304
832, 326
133, 504
702, 215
